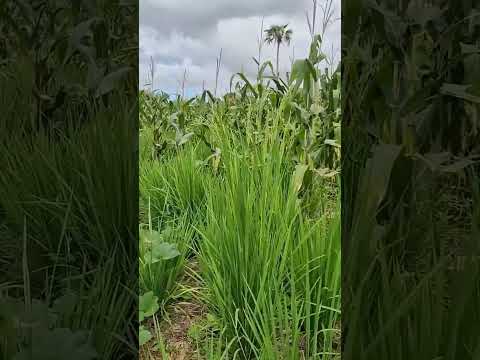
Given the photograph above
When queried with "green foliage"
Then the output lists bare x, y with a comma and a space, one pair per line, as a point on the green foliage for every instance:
66, 184
410, 98
36, 329
246, 183
58, 344
78, 226
156, 248
68, 55
147, 307
162, 257
270, 258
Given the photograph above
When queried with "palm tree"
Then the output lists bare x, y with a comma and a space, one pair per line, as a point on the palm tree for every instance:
278, 34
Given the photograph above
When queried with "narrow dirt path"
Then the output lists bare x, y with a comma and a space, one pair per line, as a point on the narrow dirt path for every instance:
182, 314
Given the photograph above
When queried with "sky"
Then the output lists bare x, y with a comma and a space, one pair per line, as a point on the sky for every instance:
188, 34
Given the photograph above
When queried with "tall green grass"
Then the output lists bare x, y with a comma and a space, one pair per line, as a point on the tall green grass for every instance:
270, 265
172, 203
272, 274
68, 198
172, 186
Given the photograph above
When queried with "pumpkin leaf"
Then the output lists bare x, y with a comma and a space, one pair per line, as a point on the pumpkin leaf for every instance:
148, 305
144, 335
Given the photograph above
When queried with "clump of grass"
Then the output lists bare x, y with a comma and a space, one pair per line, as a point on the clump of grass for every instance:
173, 186
272, 281
80, 227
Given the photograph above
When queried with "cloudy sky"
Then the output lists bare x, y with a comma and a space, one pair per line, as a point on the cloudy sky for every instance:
188, 34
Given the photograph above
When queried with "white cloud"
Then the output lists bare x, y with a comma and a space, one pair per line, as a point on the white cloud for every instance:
188, 34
